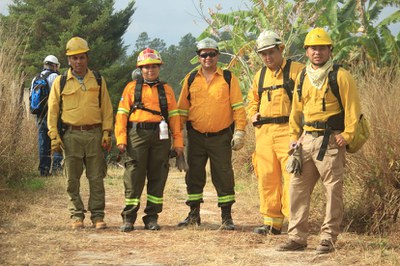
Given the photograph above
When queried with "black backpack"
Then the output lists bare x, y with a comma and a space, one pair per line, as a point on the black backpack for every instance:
39, 94
162, 99
226, 73
288, 83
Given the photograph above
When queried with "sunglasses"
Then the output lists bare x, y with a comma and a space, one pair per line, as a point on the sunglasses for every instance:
211, 54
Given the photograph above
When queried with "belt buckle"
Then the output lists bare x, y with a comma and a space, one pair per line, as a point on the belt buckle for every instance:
206, 134
83, 129
315, 134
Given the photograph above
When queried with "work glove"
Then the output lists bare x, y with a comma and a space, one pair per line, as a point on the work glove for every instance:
238, 140
56, 143
106, 140
181, 163
293, 165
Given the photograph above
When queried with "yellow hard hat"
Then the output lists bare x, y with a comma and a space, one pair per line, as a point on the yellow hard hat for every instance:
148, 57
317, 36
76, 45
267, 40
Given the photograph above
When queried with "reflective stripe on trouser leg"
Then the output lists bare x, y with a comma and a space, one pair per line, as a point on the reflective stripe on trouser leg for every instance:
220, 153
269, 161
129, 214
274, 222
197, 158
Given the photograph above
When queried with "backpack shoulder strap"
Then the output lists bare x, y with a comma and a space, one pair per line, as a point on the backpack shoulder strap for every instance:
99, 82
333, 84
162, 98
288, 83
190, 81
261, 85
227, 76
300, 86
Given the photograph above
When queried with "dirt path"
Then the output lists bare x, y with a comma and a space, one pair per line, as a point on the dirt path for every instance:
34, 229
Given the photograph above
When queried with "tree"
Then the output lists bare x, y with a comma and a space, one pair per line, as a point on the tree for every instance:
50, 24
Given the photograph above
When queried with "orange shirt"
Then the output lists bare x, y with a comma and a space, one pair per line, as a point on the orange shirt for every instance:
213, 106
150, 101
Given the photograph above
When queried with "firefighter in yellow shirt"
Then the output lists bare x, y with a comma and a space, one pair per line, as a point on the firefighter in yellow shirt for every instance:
269, 109
146, 108
87, 117
208, 107
321, 129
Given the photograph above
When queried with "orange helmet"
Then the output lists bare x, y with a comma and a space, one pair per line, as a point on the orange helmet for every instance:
149, 57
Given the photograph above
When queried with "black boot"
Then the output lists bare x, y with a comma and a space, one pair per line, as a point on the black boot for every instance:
150, 222
193, 216
227, 222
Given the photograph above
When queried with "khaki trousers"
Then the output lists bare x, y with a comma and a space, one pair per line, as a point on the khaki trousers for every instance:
330, 170
82, 149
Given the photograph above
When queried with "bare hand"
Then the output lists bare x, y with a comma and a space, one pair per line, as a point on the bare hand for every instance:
340, 141
121, 148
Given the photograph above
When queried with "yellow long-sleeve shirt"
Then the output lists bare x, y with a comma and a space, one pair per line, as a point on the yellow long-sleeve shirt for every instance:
150, 100
80, 103
213, 106
279, 103
309, 108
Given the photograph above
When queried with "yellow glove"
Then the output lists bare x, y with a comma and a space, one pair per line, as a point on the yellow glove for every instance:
56, 144
238, 140
106, 140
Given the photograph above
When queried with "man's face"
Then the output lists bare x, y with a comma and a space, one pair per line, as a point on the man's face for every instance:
318, 55
272, 57
79, 63
208, 58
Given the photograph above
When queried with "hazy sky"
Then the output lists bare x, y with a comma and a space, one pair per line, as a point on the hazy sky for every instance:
171, 20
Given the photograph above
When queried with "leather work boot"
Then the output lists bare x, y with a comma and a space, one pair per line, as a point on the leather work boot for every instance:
99, 224
326, 246
152, 225
227, 221
126, 227
193, 217
266, 230
292, 246
77, 224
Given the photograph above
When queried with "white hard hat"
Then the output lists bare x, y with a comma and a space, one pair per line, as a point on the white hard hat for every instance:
207, 43
51, 59
267, 40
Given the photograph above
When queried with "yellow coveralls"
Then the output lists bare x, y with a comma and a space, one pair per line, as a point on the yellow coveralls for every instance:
272, 144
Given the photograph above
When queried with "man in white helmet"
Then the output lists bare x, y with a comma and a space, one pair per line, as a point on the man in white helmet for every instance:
269, 109
209, 104
48, 74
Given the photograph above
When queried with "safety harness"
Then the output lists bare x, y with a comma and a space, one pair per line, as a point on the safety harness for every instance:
334, 122
288, 85
162, 98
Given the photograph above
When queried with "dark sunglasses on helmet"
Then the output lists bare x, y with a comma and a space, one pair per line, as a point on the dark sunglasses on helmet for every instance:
210, 54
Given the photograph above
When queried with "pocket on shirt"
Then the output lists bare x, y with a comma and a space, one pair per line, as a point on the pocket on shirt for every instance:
94, 96
69, 100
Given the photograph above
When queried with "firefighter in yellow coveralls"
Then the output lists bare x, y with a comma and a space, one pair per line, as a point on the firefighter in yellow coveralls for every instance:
269, 110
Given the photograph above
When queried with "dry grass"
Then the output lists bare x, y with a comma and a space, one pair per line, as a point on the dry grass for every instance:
34, 230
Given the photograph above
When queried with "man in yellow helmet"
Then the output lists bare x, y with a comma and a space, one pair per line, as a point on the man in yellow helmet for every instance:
321, 129
147, 107
209, 105
82, 98
270, 102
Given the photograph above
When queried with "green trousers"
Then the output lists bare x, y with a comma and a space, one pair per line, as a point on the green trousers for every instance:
82, 149
218, 150
147, 156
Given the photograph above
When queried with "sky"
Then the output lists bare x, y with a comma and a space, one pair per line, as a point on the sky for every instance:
171, 20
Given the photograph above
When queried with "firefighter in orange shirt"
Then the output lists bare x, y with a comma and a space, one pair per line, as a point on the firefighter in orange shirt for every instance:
147, 106
209, 106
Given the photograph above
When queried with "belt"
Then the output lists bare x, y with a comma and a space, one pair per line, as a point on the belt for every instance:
317, 124
144, 125
271, 120
315, 134
83, 127
208, 134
